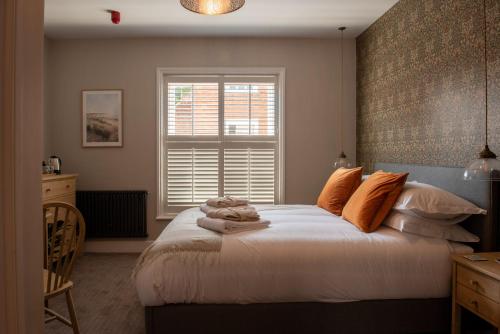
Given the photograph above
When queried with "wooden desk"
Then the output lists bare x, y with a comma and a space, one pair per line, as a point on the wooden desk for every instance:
59, 188
476, 287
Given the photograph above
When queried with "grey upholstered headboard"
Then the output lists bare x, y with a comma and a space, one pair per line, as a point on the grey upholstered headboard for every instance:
484, 194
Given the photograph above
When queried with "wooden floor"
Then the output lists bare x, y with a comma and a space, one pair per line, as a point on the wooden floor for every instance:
105, 297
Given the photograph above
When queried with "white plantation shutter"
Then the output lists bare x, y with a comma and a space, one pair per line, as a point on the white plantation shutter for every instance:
192, 175
220, 136
250, 173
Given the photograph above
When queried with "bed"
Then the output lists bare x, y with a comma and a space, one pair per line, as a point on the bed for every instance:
312, 272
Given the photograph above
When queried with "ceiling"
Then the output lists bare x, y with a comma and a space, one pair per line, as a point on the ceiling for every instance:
259, 18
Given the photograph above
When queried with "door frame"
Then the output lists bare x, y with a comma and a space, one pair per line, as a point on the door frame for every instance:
21, 107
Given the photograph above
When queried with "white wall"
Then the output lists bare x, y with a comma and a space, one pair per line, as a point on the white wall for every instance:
311, 105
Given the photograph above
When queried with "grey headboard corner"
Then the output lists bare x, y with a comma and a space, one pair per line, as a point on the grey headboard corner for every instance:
484, 194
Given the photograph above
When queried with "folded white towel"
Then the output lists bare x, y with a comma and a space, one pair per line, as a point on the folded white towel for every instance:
240, 214
236, 213
229, 226
226, 202
205, 208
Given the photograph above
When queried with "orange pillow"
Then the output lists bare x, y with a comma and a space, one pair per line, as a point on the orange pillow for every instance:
339, 187
375, 197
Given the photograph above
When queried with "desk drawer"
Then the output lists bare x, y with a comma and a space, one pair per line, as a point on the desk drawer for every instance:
479, 283
70, 198
57, 188
480, 305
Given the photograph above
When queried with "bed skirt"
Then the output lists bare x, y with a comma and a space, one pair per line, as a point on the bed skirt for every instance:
373, 316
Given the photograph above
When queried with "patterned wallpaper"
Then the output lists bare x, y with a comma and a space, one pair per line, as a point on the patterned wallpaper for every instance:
420, 83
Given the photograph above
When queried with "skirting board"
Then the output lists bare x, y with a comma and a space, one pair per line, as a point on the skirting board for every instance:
116, 246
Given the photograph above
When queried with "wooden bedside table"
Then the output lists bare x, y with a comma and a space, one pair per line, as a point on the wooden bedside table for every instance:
476, 287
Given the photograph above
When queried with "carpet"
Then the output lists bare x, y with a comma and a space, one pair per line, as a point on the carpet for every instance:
104, 295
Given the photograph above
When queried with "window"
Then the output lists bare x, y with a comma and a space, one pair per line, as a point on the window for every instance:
219, 135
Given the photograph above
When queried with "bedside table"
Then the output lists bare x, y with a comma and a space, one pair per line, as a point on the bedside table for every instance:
476, 287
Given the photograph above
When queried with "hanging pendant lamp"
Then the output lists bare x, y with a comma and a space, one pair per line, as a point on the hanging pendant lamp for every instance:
486, 167
212, 7
342, 160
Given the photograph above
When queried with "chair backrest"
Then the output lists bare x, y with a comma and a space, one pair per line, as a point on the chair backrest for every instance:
64, 232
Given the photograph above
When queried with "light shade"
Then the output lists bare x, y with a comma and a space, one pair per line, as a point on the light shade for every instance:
212, 7
483, 170
342, 161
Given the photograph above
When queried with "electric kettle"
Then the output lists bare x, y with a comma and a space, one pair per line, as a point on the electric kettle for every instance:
55, 164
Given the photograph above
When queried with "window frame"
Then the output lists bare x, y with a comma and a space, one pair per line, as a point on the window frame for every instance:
228, 72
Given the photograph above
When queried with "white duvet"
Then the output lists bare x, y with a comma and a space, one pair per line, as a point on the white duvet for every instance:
307, 254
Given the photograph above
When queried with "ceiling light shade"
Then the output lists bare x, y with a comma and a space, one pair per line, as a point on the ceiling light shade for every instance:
342, 162
212, 7
485, 168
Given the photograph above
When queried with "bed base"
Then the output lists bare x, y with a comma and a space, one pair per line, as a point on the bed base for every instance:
374, 316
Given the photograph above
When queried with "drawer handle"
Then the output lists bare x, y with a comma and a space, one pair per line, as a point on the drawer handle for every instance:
474, 303
474, 283
67, 186
47, 190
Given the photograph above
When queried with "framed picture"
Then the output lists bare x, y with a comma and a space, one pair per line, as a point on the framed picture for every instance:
102, 119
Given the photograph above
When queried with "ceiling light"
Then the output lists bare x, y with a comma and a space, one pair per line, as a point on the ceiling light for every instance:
342, 160
212, 7
486, 167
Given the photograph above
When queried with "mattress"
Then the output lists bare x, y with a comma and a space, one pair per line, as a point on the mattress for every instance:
306, 255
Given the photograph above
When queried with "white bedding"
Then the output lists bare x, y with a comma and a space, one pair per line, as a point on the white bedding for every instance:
307, 254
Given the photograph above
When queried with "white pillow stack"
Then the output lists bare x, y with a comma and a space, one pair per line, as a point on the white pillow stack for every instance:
432, 212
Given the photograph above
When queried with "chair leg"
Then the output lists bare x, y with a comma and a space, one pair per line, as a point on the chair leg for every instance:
72, 314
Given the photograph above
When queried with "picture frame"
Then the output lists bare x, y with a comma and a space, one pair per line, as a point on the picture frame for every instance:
102, 117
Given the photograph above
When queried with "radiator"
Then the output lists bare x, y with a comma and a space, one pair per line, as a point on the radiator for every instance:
113, 214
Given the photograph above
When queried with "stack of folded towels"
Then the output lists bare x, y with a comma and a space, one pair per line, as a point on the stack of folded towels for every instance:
230, 215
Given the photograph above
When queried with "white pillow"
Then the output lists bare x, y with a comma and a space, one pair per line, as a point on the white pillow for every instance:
428, 227
427, 201
439, 221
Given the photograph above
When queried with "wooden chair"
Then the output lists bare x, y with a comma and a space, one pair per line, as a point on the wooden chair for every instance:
64, 232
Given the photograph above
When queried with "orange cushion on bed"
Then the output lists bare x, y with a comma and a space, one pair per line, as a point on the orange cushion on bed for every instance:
372, 201
339, 187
